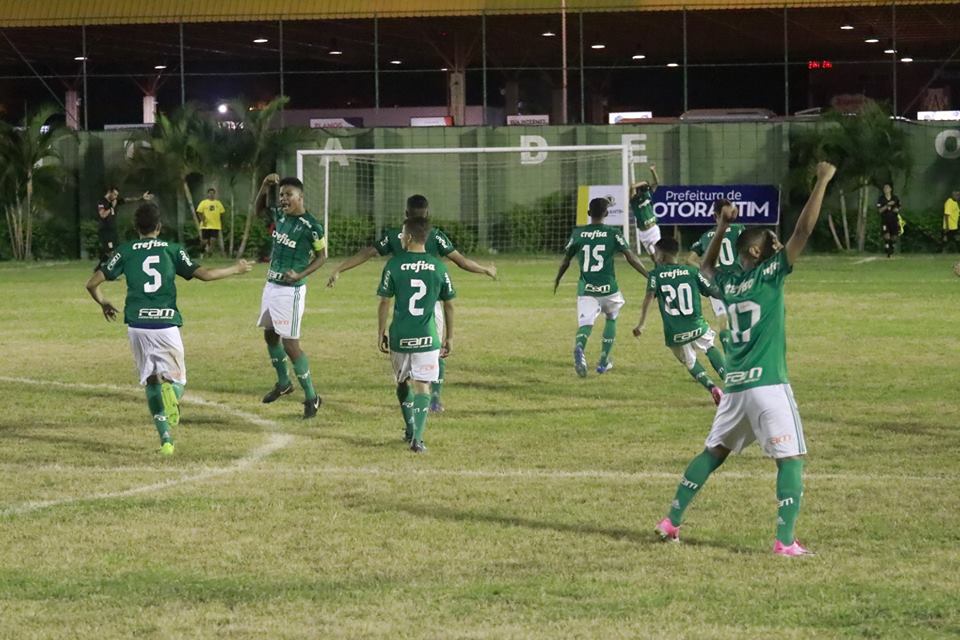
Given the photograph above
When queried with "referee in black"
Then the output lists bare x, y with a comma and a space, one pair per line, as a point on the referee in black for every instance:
107, 221
888, 205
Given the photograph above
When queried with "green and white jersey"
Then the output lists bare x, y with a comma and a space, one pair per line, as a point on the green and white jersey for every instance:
596, 246
728, 249
438, 244
151, 267
677, 288
416, 281
641, 207
295, 239
754, 299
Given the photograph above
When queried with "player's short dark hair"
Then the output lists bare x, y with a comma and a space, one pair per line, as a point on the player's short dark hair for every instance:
417, 227
418, 206
209, 189
290, 181
113, 187
146, 218
719, 204
752, 236
598, 207
668, 245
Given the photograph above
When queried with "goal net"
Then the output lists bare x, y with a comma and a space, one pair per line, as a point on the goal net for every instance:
491, 199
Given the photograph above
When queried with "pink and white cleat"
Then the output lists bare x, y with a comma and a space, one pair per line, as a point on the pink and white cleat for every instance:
717, 395
791, 550
667, 532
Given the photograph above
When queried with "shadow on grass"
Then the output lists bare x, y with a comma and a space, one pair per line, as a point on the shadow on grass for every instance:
89, 444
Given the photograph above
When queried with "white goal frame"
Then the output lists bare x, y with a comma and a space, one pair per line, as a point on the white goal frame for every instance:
626, 165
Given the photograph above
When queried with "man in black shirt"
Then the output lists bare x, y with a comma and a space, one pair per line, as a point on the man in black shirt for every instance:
107, 220
889, 207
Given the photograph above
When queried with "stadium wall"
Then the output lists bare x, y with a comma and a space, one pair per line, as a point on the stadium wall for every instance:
685, 153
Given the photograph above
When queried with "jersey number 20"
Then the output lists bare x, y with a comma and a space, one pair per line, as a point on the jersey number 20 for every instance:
682, 295
155, 283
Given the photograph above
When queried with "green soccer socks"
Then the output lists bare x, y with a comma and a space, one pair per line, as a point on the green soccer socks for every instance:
278, 358
692, 481
301, 366
789, 494
437, 387
700, 375
155, 403
421, 406
583, 334
717, 361
405, 397
609, 335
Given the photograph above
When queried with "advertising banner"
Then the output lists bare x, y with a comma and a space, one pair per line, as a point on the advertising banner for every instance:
692, 205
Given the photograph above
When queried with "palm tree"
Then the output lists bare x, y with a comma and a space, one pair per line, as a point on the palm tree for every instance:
29, 156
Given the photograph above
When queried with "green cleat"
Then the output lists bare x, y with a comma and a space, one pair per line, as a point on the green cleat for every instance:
166, 449
171, 406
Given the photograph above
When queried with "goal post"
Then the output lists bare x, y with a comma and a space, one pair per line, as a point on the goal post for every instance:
523, 199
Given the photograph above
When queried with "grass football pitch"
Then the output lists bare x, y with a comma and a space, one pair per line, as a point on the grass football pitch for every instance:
531, 515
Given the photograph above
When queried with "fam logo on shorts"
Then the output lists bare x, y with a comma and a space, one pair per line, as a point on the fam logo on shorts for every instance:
416, 343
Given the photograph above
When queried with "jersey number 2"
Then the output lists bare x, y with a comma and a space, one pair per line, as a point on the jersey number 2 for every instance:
154, 285
597, 258
421, 290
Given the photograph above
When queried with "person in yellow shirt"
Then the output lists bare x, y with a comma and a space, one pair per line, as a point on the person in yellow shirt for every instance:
210, 213
951, 220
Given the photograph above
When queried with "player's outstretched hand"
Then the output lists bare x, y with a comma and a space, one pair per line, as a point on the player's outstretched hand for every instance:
146, 196
110, 312
243, 266
825, 171
291, 276
332, 280
272, 178
638, 330
491, 271
384, 345
446, 349
729, 213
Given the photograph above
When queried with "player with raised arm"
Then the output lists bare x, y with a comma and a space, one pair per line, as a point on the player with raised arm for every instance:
641, 207
437, 244
298, 243
758, 403
677, 289
416, 281
727, 260
596, 245
150, 312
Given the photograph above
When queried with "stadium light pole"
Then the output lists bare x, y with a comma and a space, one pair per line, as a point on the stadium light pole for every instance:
483, 55
786, 65
83, 46
583, 77
564, 108
685, 107
376, 62
183, 80
893, 58
280, 47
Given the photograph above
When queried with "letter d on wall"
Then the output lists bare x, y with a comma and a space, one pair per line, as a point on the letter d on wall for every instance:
533, 142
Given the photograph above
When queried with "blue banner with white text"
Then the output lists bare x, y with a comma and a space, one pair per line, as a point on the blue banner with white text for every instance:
693, 204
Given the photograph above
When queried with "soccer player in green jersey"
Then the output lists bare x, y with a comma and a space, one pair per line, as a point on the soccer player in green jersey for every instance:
641, 208
727, 260
416, 281
677, 289
758, 403
596, 245
437, 244
150, 312
298, 243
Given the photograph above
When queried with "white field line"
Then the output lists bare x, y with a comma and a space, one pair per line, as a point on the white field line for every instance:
275, 441
865, 260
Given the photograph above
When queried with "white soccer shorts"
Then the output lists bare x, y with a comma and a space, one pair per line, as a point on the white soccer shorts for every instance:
767, 414
158, 352
423, 366
719, 309
687, 353
281, 309
648, 238
589, 307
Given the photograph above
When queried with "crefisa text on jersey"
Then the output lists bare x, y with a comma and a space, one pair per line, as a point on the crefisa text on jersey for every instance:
418, 266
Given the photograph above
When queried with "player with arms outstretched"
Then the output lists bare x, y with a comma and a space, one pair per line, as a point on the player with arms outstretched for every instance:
727, 260
596, 245
298, 243
641, 207
437, 244
416, 281
677, 289
758, 403
150, 312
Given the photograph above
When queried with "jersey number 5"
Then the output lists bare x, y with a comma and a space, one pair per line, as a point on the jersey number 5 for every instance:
155, 283
597, 258
421, 290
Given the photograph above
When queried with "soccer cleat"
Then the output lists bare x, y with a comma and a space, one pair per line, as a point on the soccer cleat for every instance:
603, 368
436, 406
417, 446
310, 407
792, 550
717, 395
171, 406
580, 361
166, 449
277, 391
667, 532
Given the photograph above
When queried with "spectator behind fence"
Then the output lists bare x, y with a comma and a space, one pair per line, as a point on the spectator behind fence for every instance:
107, 220
951, 216
888, 205
209, 214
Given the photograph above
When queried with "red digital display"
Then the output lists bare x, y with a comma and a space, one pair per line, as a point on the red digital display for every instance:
819, 64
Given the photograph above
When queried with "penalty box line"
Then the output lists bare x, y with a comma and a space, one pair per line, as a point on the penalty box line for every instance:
276, 441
